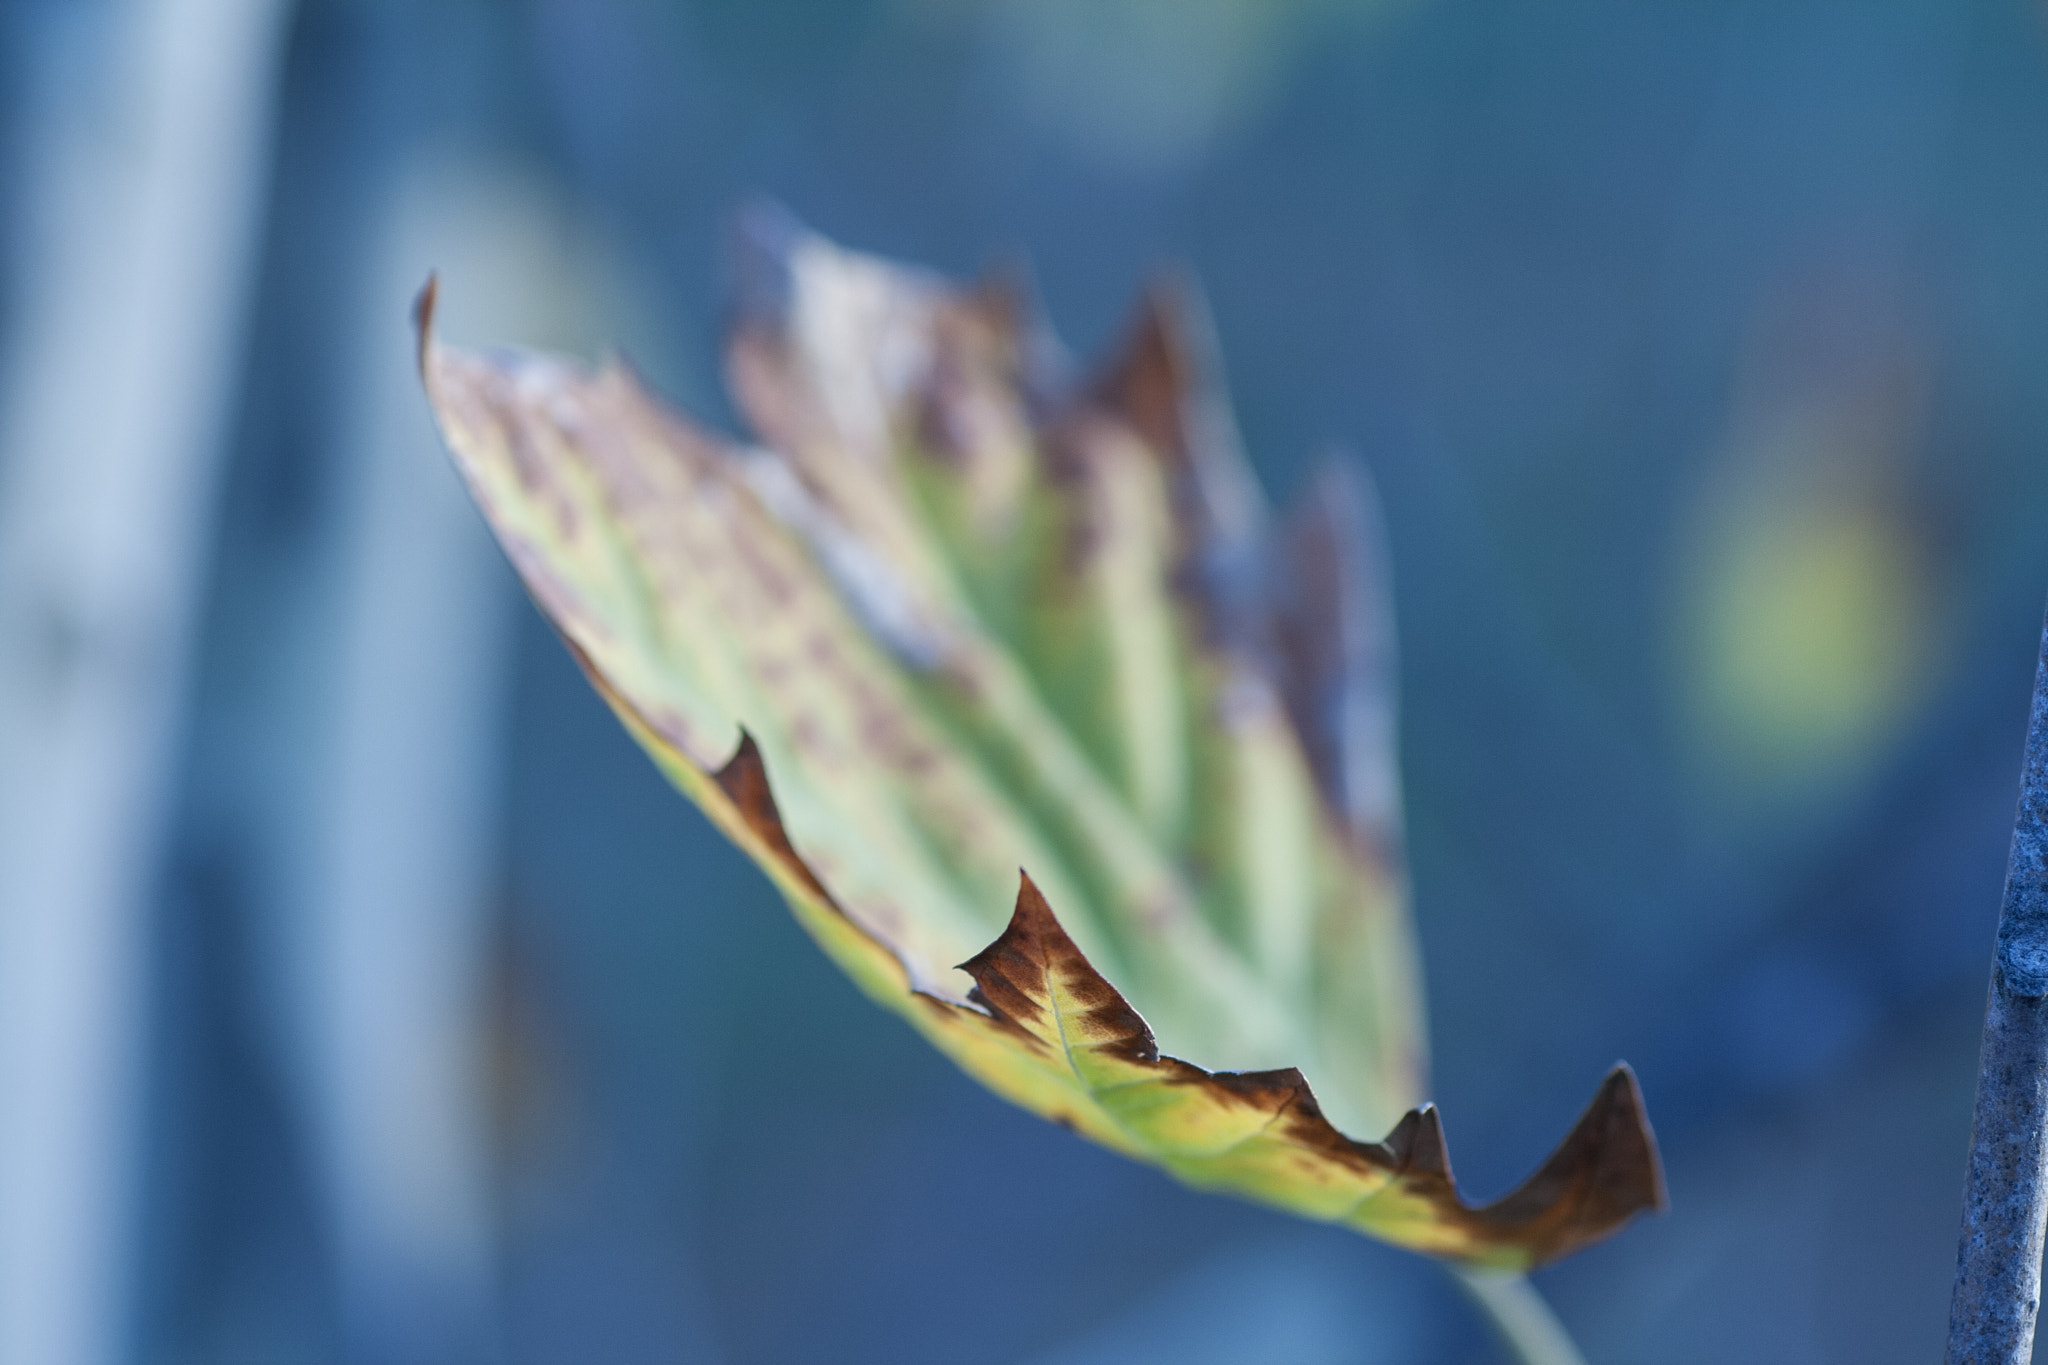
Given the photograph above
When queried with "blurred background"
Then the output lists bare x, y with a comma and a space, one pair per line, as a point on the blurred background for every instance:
365, 997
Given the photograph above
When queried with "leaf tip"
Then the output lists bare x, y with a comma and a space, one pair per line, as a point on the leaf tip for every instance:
744, 770
1605, 1172
1031, 911
1034, 971
1635, 1140
1146, 381
744, 780
1417, 1143
1010, 974
423, 317
1033, 930
761, 242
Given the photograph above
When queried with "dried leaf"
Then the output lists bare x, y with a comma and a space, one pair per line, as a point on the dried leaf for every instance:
973, 616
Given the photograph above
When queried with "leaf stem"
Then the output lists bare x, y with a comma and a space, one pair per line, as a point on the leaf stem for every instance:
1525, 1322
1998, 1262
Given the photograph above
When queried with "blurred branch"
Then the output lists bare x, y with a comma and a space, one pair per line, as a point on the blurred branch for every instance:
132, 259
1998, 1264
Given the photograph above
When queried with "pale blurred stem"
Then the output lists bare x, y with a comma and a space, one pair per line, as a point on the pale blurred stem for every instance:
1519, 1314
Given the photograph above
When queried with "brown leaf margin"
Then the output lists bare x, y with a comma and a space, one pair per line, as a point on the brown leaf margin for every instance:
1605, 1171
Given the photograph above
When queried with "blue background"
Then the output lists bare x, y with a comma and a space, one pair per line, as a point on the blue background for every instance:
1697, 351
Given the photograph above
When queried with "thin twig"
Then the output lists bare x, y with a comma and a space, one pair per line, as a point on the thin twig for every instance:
1520, 1315
1998, 1264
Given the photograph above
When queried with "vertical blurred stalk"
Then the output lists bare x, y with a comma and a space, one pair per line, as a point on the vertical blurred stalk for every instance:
132, 264
132, 273
2005, 1201
392, 923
